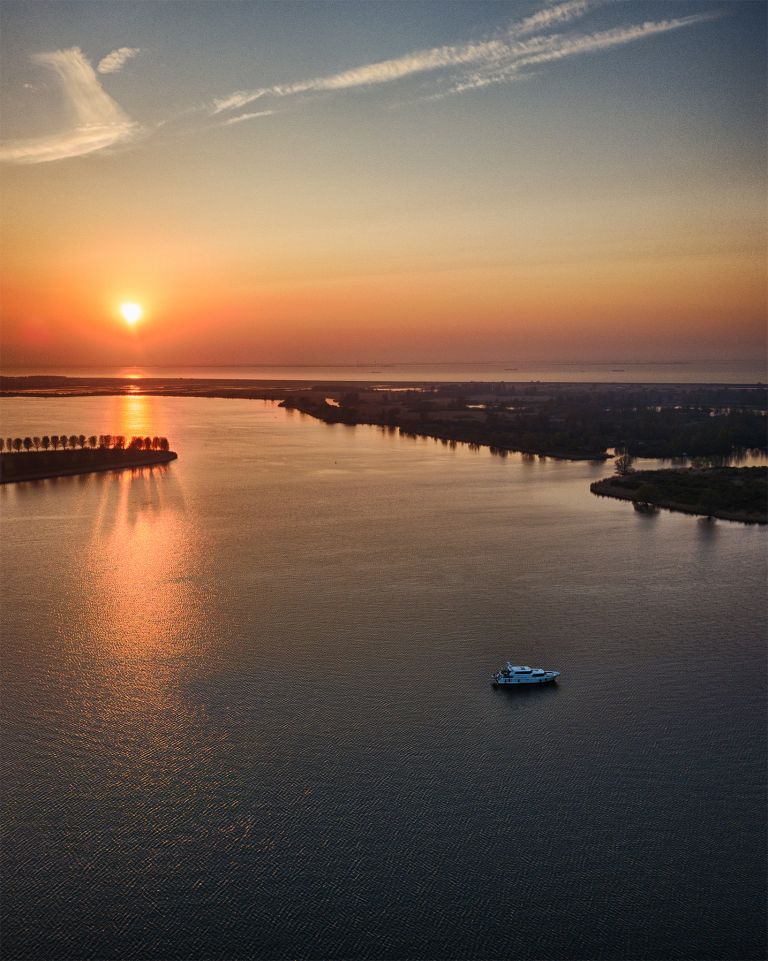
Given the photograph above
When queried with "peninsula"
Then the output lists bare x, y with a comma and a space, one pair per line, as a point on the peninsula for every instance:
37, 458
730, 493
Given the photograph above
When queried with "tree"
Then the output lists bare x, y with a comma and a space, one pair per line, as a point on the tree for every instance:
147, 443
648, 494
27, 443
623, 464
63, 440
55, 441
17, 444
2, 443
92, 440
46, 442
81, 441
36, 442
119, 443
73, 441
708, 501
164, 443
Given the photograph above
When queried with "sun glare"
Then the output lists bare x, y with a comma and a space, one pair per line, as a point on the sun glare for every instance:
131, 313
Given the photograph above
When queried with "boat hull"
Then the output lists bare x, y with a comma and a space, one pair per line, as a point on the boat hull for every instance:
527, 682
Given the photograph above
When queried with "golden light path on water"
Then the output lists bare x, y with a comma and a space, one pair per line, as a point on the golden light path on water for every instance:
136, 414
140, 616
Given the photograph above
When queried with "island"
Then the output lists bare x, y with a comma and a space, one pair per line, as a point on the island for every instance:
730, 493
37, 458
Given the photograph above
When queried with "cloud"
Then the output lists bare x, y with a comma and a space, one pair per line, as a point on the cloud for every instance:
116, 60
560, 47
554, 16
518, 51
470, 66
99, 122
247, 116
385, 71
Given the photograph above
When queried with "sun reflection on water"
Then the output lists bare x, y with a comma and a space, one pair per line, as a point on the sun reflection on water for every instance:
136, 415
141, 621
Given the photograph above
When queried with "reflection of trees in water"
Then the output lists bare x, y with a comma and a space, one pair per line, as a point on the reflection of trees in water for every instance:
707, 529
129, 495
126, 493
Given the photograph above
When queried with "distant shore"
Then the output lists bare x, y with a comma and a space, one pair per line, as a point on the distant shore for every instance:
473, 434
59, 385
37, 465
563, 420
730, 494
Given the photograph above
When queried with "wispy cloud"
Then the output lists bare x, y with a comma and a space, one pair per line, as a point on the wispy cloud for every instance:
518, 51
554, 16
498, 59
385, 71
99, 121
247, 116
116, 60
559, 47
420, 61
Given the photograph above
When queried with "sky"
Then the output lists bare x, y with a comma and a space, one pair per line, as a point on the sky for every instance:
321, 182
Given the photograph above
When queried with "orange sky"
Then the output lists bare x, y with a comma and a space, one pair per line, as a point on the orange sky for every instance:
588, 213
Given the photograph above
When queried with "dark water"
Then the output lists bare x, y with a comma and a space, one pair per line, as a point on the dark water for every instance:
247, 710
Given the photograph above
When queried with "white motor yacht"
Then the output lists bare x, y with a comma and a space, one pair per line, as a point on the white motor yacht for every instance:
514, 674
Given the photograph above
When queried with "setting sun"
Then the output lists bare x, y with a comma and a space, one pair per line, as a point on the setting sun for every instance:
131, 313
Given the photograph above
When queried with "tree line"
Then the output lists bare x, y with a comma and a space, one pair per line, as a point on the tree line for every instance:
73, 441
575, 422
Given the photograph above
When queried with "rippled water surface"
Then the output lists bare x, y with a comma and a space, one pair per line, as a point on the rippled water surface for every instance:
247, 710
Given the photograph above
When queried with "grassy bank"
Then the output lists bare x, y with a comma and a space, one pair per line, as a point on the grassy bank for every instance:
730, 493
36, 465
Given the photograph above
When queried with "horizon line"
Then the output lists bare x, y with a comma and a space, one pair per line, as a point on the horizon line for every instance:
409, 363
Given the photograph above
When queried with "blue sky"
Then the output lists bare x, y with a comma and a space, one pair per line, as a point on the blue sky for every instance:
192, 53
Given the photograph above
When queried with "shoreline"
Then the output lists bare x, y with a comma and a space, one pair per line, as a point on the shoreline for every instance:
327, 415
150, 459
583, 421
607, 488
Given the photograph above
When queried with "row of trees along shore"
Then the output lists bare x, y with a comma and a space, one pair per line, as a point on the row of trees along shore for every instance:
73, 441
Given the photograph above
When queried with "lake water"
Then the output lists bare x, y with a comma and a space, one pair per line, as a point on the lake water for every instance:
247, 710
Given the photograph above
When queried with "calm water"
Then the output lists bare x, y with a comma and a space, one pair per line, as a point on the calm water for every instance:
247, 710
696, 372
